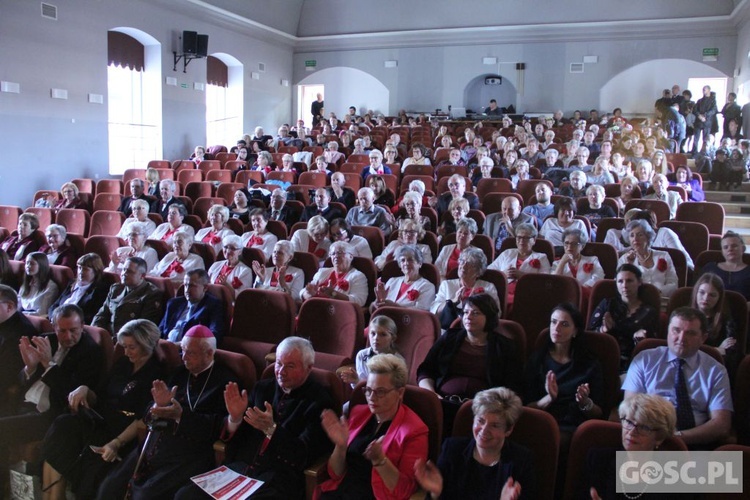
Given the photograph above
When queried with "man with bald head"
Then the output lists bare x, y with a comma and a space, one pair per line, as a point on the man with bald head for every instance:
502, 224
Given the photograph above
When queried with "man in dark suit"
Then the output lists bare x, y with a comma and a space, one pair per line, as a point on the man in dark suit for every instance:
167, 188
134, 298
321, 207
278, 209
195, 307
137, 190
280, 433
13, 326
54, 365
188, 414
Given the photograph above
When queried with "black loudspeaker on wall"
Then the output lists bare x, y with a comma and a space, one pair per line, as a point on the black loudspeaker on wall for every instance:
190, 42
202, 45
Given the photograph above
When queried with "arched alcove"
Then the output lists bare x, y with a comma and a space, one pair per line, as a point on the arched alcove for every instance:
637, 88
346, 87
224, 118
477, 93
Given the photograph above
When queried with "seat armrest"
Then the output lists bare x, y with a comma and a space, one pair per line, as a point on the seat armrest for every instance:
315, 474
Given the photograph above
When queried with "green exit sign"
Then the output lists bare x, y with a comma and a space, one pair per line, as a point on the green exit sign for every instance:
711, 52
184, 85
311, 63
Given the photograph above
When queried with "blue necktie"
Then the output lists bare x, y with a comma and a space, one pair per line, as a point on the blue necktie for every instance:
685, 417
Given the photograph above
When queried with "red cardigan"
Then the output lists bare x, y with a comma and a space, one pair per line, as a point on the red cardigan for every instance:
404, 443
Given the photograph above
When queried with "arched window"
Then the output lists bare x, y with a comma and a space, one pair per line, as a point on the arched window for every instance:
134, 99
224, 91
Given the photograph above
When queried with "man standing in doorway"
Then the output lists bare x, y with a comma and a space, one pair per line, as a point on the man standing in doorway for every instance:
316, 109
705, 110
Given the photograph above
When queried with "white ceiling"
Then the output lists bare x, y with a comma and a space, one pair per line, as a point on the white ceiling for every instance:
313, 18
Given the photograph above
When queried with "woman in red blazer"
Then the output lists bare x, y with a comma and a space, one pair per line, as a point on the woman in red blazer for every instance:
375, 452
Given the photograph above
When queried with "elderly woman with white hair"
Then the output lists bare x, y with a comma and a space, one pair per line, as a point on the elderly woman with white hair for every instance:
280, 277
313, 239
409, 233
376, 167
342, 281
409, 290
139, 209
586, 269
179, 261
485, 465
448, 303
58, 249
447, 261
136, 247
339, 192
483, 170
656, 265
410, 207
332, 153
263, 163
218, 215
231, 272
174, 225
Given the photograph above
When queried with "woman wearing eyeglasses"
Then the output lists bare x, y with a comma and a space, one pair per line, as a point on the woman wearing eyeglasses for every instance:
647, 420
470, 358
375, 451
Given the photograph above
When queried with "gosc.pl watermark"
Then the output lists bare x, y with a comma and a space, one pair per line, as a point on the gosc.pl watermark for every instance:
679, 472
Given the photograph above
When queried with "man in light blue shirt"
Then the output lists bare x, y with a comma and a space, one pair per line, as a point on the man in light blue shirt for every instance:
543, 207
369, 214
654, 371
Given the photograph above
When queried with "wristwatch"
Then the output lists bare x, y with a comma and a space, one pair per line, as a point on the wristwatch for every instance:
587, 406
269, 432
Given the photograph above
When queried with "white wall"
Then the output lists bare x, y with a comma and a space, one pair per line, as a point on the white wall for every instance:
632, 89
435, 77
48, 141
346, 87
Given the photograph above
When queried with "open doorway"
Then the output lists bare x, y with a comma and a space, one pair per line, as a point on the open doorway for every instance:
307, 94
718, 85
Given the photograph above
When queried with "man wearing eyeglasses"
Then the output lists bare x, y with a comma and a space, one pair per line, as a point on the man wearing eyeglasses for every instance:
692, 380
275, 432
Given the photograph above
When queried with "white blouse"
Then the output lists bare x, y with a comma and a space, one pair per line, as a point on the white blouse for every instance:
420, 295
214, 237
294, 276
301, 243
535, 263
240, 278
449, 288
163, 229
552, 230
390, 251
665, 238
177, 274
269, 239
665, 279
147, 253
125, 229
38, 301
353, 284
589, 270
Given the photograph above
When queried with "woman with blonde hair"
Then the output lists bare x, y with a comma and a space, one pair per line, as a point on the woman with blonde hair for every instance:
218, 215
70, 198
